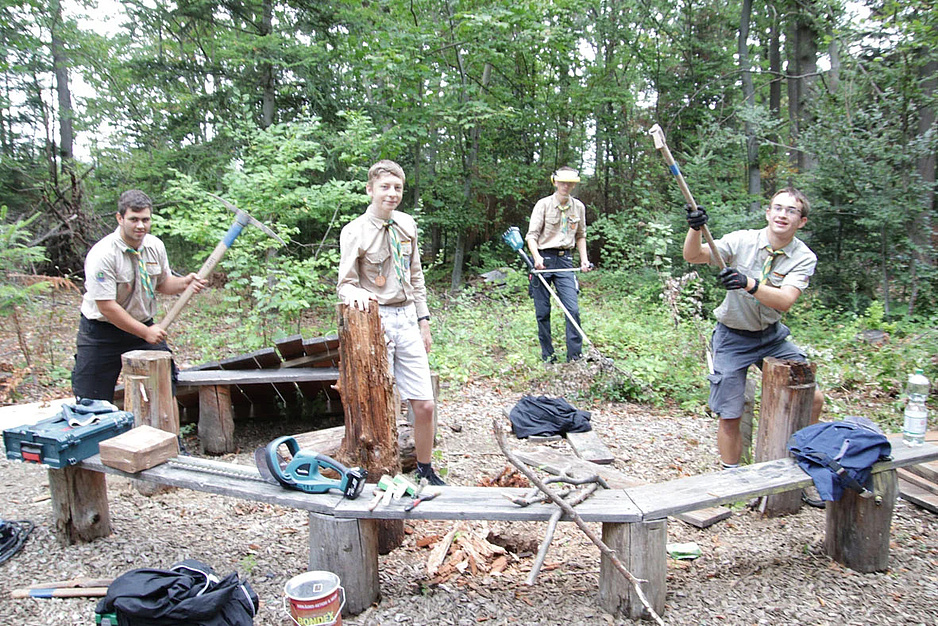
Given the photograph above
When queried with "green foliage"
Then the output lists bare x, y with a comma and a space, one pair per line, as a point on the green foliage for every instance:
17, 256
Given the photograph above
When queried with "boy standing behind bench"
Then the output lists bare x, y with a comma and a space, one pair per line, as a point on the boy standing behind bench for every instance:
381, 261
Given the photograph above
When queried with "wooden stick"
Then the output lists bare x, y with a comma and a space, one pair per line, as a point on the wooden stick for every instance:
551, 527
74, 582
574, 516
658, 136
60, 592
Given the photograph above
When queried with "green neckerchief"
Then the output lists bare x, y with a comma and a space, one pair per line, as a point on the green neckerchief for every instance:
144, 275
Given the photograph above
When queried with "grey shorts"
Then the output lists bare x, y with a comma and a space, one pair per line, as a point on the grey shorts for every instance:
733, 352
407, 356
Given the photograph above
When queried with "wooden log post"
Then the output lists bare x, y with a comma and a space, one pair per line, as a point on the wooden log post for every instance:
642, 548
787, 397
216, 420
366, 387
148, 394
152, 394
857, 530
349, 549
79, 504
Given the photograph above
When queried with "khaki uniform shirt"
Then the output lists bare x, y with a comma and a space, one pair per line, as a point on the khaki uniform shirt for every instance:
553, 227
745, 250
112, 273
367, 262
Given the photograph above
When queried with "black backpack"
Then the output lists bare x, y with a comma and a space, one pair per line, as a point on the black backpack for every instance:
840, 455
187, 594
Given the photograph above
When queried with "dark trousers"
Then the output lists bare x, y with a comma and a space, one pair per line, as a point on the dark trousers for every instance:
567, 288
98, 357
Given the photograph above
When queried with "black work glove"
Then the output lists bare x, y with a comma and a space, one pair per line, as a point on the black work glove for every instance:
696, 217
732, 278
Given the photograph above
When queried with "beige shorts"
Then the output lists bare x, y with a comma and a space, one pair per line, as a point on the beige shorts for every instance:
407, 356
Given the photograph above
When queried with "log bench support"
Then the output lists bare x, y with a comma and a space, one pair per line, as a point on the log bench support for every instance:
641, 546
349, 549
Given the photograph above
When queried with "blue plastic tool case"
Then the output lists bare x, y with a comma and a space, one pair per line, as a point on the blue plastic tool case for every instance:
54, 443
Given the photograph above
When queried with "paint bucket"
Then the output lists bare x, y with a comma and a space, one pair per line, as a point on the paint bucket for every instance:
314, 599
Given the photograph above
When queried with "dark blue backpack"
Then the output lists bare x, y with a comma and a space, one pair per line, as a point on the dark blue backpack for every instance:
840, 455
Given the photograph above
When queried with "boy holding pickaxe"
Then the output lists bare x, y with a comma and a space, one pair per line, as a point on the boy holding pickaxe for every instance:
557, 226
766, 271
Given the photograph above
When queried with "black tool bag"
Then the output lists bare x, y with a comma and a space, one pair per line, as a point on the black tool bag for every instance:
541, 415
840, 455
187, 594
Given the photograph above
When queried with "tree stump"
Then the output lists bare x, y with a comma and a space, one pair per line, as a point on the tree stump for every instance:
366, 387
79, 504
349, 549
216, 420
857, 531
787, 397
148, 394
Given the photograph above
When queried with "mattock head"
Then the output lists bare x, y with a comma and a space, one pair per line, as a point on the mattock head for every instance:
658, 136
243, 216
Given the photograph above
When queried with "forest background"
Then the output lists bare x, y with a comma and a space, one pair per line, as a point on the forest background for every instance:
280, 107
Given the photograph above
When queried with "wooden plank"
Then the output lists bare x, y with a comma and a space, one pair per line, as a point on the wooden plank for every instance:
928, 471
490, 503
290, 347
257, 377
917, 480
918, 496
704, 490
704, 518
589, 447
251, 487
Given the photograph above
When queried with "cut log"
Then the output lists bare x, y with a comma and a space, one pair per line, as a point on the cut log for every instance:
79, 505
857, 532
787, 398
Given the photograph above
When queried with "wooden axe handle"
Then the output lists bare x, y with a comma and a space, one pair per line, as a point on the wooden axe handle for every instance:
63, 592
662, 145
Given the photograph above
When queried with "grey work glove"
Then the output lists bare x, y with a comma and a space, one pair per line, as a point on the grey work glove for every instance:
696, 217
732, 278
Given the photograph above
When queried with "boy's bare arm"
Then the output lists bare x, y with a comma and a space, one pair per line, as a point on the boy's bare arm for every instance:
694, 250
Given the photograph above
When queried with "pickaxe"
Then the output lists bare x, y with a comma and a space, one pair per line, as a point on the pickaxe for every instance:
662, 145
512, 237
242, 219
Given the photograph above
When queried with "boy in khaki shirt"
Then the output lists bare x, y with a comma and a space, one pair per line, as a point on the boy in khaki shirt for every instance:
381, 261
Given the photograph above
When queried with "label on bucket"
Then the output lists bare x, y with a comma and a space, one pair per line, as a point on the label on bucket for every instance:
315, 599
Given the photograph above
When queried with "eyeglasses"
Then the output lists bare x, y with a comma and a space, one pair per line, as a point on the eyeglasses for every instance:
787, 210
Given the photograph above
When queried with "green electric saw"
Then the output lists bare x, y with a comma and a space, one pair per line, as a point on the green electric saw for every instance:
301, 470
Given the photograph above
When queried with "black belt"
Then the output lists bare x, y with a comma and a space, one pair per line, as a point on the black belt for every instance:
146, 322
555, 251
768, 330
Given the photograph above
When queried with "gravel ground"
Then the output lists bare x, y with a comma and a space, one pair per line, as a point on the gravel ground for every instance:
752, 570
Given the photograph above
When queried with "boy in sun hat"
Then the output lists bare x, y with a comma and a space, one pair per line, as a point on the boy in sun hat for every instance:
557, 226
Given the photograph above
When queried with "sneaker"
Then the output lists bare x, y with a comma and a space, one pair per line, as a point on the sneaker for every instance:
430, 475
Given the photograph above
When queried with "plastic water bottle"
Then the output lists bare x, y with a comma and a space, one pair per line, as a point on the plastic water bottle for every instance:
916, 414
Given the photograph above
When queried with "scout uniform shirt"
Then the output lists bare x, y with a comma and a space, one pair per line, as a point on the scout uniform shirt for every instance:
113, 273
368, 261
553, 227
747, 251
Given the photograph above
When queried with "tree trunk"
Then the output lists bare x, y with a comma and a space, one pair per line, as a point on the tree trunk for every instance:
366, 388
922, 228
802, 74
749, 96
60, 69
268, 101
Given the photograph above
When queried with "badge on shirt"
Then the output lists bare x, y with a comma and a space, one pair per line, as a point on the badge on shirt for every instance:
100, 277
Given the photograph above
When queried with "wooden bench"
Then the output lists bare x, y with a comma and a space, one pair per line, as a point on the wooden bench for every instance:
343, 533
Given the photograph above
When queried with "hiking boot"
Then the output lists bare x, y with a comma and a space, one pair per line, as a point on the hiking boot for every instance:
809, 496
428, 473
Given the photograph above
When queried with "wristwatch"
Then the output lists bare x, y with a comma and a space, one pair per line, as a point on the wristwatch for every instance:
425, 317
754, 289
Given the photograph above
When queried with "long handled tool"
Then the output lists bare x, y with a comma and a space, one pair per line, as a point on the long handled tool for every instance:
658, 135
512, 237
242, 219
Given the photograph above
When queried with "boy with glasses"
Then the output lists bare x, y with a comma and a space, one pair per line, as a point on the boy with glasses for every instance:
767, 269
